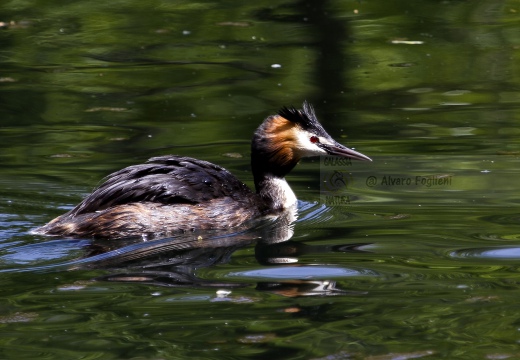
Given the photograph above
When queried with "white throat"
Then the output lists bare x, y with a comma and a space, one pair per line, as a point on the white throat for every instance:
277, 191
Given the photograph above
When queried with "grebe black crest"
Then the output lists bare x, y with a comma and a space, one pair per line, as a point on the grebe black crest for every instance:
174, 194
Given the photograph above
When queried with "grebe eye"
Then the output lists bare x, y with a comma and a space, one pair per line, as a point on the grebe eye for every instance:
314, 139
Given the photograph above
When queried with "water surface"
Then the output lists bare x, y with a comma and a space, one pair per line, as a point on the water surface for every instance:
411, 256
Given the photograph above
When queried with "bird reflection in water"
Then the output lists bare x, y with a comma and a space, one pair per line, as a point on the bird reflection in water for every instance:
173, 262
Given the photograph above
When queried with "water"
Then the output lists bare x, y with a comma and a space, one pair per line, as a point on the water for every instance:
411, 256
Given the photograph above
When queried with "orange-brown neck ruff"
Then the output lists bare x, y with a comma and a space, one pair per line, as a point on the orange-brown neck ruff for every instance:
274, 155
273, 150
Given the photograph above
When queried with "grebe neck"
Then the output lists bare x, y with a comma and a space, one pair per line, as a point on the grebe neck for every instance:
273, 157
275, 192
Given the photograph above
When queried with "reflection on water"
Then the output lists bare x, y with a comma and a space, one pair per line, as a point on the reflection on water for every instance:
489, 253
174, 261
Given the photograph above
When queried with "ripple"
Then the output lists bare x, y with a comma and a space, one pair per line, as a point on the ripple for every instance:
48, 251
502, 253
497, 237
509, 219
312, 212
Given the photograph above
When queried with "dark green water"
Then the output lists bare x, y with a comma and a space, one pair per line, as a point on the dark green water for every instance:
416, 255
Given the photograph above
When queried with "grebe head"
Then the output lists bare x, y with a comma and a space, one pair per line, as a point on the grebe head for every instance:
280, 142
283, 139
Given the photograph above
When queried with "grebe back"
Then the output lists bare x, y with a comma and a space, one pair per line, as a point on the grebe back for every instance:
171, 194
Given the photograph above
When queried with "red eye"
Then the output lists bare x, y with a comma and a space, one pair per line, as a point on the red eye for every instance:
314, 139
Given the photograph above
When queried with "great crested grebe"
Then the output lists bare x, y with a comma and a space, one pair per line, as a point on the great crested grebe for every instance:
172, 194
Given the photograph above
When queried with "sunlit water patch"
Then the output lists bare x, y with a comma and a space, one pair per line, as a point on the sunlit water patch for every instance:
44, 252
302, 272
489, 253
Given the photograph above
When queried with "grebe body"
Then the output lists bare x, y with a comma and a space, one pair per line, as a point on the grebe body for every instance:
172, 194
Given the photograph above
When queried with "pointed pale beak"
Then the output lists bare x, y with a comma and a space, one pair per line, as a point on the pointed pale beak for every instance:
343, 151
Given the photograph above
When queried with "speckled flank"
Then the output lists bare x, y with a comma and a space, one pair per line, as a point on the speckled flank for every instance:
152, 219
